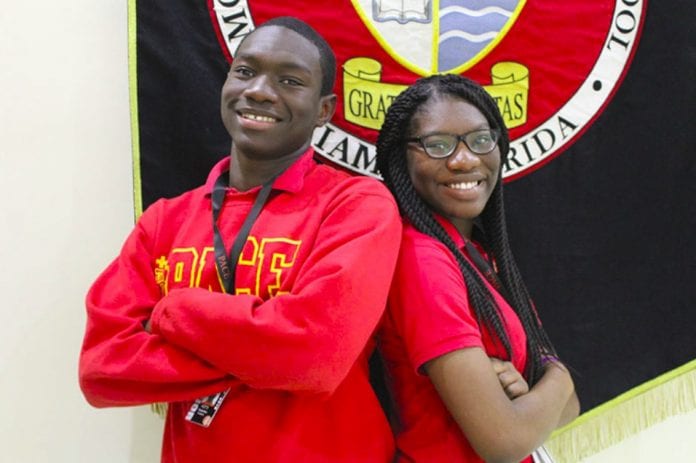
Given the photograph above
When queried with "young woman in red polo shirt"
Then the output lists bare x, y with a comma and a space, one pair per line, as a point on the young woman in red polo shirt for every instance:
472, 373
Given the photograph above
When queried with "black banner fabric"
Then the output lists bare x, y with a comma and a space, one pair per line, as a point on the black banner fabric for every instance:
604, 234
180, 70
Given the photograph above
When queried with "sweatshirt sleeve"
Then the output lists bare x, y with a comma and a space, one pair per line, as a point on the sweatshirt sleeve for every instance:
309, 338
122, 364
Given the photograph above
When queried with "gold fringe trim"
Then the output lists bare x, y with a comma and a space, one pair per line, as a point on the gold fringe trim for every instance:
650, 403
160, 409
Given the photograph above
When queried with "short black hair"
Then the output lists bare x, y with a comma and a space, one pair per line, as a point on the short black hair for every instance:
327, 58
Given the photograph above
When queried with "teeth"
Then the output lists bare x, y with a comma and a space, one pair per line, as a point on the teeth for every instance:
463, 185
255, 117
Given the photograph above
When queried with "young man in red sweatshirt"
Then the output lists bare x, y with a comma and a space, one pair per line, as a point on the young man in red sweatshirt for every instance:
249, 304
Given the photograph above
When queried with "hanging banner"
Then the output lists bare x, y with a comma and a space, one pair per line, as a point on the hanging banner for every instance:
600, 180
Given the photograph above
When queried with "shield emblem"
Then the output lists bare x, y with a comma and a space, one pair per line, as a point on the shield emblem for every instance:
430, 37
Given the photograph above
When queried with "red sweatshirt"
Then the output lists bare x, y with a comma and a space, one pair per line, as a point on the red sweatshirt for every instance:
292, 343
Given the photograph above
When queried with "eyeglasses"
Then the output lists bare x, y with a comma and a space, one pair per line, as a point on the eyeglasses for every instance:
441, 145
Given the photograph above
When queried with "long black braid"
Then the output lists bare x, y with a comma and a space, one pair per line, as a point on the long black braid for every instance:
391, 162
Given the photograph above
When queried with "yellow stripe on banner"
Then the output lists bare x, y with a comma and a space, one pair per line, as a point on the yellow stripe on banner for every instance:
157, 408
435, 52
133, 95
670, 394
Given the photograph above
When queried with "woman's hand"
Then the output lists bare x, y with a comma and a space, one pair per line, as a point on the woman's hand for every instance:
511, 380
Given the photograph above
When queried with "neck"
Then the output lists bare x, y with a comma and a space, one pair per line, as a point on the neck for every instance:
249, 172
464, 227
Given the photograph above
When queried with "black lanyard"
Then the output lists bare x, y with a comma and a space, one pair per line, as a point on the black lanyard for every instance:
485, 268
227, 264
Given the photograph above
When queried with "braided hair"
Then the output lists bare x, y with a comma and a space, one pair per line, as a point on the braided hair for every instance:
491, 225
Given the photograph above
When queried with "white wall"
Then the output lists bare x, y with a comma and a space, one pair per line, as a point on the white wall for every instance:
66, 204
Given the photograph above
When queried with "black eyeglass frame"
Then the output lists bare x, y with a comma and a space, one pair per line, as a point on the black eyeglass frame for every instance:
495, 133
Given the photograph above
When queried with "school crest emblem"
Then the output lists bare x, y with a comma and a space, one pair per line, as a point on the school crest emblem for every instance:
436, 37
551, 66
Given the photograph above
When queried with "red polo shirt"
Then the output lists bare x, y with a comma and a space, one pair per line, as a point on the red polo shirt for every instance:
429, 315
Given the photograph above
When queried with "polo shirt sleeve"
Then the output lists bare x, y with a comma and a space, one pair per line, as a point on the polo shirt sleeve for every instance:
428, 302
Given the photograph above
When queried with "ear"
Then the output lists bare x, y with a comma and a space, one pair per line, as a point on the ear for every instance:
327, 107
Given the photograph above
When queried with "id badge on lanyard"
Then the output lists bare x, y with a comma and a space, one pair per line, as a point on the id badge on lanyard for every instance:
203, 410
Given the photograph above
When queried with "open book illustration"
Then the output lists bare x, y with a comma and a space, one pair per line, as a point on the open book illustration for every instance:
402, 11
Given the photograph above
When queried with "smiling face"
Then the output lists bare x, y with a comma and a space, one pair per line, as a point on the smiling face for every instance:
271, 102
458, 186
